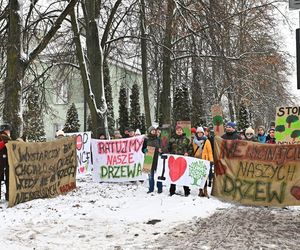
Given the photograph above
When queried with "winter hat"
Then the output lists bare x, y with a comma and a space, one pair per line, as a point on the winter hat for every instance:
151, 128
200, 130
117, 132
60, 133
130, 130
262, 127
231, 124
4, 127
249, 131
138, 132
193, 130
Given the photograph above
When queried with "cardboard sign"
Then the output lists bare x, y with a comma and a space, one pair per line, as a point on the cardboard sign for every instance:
182, 170
254, 173
287, 129
165, 137
186, 125
217, 120
83, 149
118, 160
148, 159
41, 169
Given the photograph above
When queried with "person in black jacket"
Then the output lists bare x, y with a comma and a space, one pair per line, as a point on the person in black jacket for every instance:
4, 169
153, 140
230, 132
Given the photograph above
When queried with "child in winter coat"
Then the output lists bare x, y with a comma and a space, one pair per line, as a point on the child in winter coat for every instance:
179, 144
202, 149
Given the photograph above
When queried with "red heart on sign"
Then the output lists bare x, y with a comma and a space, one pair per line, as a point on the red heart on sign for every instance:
81, 169
177, 167
295, 191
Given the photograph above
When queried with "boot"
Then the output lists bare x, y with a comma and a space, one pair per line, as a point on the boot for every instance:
201, 193
205, 192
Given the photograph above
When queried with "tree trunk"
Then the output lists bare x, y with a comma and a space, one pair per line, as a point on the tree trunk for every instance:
144, 64
165, 97
15, 70
83, 67
95, 57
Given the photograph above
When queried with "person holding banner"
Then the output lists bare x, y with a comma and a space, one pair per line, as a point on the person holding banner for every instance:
271, 136
261, 136
230, 132
153, 140
202, 149
4, 168
179, 145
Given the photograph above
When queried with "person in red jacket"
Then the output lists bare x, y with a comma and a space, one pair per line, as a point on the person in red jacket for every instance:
4, 174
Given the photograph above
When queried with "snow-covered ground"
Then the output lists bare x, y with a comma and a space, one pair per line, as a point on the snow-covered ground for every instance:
100, 216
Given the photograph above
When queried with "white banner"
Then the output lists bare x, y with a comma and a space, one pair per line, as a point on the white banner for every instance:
182, 170
118, 160
83, 149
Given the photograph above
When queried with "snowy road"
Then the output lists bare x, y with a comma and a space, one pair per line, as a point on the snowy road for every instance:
237, 228
121, 216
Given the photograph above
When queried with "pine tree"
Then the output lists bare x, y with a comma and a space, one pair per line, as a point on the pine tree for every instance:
135, 108
89, 123
33, 118
123, 110
143, 128
243, 118
108, 97
181, 104
72, 123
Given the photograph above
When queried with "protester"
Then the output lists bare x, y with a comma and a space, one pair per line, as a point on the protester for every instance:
261, 136
241, 134
158, 131
126, 132
249, 135
131, 132
202, 149
59, 134
209, 134
102, 137
193, 133
5, 130
154, 141
117, 134
230, 132
179, 144
137, 132
271, 137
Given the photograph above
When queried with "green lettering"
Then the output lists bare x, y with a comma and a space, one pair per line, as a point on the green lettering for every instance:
103, 173
258, 191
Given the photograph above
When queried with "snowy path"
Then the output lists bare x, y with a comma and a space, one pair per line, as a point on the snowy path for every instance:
99, 216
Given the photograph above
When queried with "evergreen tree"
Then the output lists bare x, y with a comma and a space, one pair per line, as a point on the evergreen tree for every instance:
181, 104
33, 118
243, 118
89, 123
143, 128
72, 123
108, 97
123, 110
135, 109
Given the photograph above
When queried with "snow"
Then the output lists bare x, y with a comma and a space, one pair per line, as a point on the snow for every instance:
100, 216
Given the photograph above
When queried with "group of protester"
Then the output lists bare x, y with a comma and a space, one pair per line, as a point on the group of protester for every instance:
200, 146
